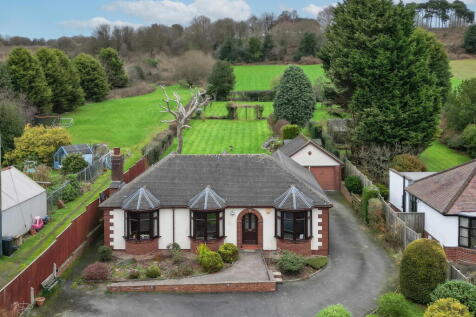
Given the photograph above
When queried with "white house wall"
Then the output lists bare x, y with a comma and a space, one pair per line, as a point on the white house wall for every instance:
269, 241
182, 228
316, 226
18, 219
395, 186
231, 214
442, 228
316, 158
165, 228
117, 237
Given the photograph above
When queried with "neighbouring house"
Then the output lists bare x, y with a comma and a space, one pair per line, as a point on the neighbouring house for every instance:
266, 202
22, 200
448, 199
83, 149
325, 166
397, 183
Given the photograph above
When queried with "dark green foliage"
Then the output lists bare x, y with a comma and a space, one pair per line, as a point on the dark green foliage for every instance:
290, 131
5, 81
12, 120
175, 252
254, 50
134, 274
393, 305
92, 77
353, 184
27, 77
73, 164
469, 139
383, 190
294, 99
290, 262
316, 262
228, 252
232, 113
253, 95
211, 262
267, 47
72, 190
105, 253
470, 39
259, 109
462, 291
114, 67
422, 269
307, 46
221, 81
461, 107
367, 193
315, 128
407, 163
334, 311
62, 78
153, 271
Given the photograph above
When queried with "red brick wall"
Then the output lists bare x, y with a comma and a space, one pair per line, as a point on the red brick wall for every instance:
329, 177
107, 228
302, 247
142, 247
324, 249
236, 287
212, 244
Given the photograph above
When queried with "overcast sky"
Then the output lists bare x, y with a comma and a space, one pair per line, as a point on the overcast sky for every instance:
55, 18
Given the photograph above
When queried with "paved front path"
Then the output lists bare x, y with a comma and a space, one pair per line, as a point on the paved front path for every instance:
358, 271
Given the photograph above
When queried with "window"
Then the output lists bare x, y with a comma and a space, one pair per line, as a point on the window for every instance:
293, 225
142, 225
467, 232
207, 225
413, 204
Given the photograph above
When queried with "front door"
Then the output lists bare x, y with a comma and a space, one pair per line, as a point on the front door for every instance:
250, 229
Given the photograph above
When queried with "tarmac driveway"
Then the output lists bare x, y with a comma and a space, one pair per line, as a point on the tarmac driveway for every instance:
358, 271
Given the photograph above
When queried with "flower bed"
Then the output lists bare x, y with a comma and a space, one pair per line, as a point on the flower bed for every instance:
309, 265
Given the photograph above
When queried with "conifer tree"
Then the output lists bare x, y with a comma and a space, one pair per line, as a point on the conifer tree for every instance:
221, 80
92, 77
114, 67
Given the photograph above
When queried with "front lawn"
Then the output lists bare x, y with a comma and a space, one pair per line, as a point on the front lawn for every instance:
439, 157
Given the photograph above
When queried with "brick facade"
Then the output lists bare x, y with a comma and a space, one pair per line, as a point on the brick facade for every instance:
227, 287
302, 247
324, 248
108, 228
138, 247
212, 244
239, 227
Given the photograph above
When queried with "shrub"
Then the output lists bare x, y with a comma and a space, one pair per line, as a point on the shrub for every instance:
232, 111
181, 271
153, 271
278, 127
315, 129
228, 252
290, 262
367, 193
202, 249
393, 305
375, 212
469, 139
259, 109
73, 164
447, 307
175, 252
423, 267
316, 262
105, 253
96, 272
334, 311
460, 290
470, 39
134, 274
383, 190
290, 131
407, 163
353, 184
211, 262
72, 190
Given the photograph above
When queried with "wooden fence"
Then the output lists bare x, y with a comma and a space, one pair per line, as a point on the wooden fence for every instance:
16, 295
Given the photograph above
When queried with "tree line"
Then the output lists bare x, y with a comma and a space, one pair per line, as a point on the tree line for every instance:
442, 14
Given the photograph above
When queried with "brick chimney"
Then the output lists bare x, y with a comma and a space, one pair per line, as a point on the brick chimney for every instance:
117, 170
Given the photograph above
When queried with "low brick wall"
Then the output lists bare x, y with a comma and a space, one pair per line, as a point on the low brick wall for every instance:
225, 287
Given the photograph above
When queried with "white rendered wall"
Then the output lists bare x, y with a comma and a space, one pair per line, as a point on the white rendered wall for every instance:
269, 241
231, 215
316, 241
182, 228
442, 228
18, 219
395, 186
317, 157
117, 237
165, 228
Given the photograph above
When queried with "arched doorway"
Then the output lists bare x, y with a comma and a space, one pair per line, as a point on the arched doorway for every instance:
250, 228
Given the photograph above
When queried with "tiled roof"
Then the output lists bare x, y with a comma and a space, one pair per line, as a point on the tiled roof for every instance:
290, 148
451, 191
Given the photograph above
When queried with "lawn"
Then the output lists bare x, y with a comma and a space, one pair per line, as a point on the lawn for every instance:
464, 68
438, 157
218, 108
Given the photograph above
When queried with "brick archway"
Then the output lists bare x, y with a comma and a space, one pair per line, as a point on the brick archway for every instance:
239, 224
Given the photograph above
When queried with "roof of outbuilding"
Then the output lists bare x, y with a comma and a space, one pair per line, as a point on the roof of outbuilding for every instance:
246, 180
292, 147
207, 199
142, 199
17, 188
78, 148
450, 192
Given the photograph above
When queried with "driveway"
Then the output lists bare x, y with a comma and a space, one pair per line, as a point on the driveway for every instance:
358, 271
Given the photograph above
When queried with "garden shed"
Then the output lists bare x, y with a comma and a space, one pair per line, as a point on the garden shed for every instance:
83, 149
22, 200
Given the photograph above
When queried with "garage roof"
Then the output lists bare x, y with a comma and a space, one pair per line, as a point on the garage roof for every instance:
17, 188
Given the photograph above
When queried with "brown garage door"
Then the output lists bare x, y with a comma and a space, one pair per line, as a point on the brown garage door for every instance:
327, 176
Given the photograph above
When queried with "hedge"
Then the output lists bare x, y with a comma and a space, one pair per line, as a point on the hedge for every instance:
367, 193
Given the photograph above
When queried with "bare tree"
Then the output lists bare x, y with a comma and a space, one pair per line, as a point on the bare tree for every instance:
193, 67
325, 17
182, 114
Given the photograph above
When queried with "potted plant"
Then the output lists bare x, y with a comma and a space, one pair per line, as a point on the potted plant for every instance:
40, 301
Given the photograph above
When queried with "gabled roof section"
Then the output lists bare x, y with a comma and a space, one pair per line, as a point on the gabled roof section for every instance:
141, 200
78, 148
207, 199
293, 199
451, 191
17, 187
299, 142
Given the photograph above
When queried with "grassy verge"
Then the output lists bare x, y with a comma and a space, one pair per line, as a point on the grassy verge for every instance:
438, 157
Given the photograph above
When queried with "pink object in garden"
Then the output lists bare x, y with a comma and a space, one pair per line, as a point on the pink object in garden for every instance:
37, 224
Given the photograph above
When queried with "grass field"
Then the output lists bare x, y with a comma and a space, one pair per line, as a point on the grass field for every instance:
439, 157
464, 68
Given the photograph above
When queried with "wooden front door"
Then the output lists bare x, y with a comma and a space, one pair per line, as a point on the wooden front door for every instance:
250, 229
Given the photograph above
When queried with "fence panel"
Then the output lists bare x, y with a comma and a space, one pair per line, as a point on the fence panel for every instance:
415, 220
455, 274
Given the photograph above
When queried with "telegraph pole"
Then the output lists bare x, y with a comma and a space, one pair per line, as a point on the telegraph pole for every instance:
1, 242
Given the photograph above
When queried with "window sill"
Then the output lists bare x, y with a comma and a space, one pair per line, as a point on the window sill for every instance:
215, 239
140, 241
294, 241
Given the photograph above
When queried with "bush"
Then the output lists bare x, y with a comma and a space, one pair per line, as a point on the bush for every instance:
278, 127
228, 252
393, 305
423, 267
153, 271
211, 262
182, 270
315, 129
73, 164
105, 253
96, 272
407, 163
383, 190
334, 311
367, 193
72, 190
232, 111
202, 249
460, 290
114, 67
447, 307
290, 131
175, 252
469, 139
316, 262
470, 39
12, 118
290, 262
375, 212
353, 184
134, 274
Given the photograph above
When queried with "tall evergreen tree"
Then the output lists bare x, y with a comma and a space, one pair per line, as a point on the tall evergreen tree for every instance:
75, 95
267, 48
294, 100
28, 77
221, 80
470, 39
11, 119
254, 50
5, 81
307, 46
114, 67
92, 77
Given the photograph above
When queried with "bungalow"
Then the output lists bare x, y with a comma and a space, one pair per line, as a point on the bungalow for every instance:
266, 202
83, 149
448, 199
324, 165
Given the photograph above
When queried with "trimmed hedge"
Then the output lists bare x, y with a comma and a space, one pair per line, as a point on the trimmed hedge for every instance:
407, 163
422, 269
290, 131
315, 129
447, 307
367, 193
463, 291
334, 311
228, 252
354, 184
211, 262
393, 305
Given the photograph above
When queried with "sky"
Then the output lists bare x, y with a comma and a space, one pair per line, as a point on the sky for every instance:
55, 18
